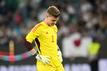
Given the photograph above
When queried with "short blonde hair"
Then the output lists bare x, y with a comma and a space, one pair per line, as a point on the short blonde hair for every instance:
54, 11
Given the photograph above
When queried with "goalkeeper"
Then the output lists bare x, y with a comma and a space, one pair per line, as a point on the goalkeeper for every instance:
44, 34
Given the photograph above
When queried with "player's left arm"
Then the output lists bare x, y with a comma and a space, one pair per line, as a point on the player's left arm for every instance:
60, 55
59, 51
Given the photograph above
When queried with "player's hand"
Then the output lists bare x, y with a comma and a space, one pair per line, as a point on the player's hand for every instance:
44, 59
60, 56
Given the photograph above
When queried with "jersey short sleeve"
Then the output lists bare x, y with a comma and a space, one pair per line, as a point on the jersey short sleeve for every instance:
34, 33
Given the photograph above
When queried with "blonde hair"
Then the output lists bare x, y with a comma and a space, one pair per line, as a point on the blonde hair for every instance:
54, 11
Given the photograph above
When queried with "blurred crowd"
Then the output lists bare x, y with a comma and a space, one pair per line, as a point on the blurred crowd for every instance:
82, 25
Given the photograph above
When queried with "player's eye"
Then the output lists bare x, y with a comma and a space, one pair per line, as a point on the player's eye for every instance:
53, 20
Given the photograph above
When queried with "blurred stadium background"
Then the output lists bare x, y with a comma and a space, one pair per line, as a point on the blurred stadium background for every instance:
82, 35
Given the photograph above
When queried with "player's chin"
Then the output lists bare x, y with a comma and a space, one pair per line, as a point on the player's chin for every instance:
52, 24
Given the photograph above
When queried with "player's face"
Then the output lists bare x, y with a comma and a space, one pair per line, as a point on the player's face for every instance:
52, 20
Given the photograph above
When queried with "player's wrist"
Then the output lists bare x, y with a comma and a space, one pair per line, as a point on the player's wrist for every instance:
38, 56
33, 51
35, 55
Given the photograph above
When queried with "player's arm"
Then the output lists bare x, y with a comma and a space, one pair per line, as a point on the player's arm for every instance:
60, 55
59, 51
30, 48
34, 33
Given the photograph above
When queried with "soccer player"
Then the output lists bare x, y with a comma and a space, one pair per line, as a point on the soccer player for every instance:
48, 55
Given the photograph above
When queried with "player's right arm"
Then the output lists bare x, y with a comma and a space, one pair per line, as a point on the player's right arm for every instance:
34, 33
30, 37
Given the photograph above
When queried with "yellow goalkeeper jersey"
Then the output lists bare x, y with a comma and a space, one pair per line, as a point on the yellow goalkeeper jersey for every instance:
46, 37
